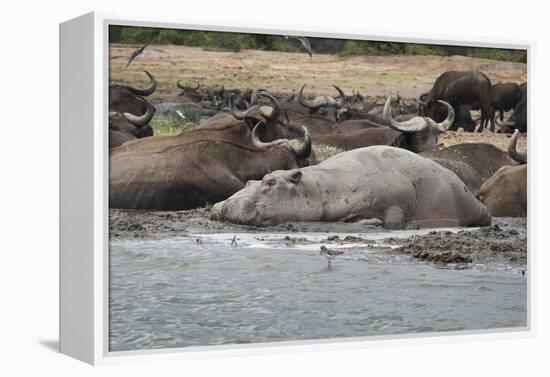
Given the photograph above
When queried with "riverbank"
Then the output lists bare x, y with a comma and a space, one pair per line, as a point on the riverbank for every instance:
505, 241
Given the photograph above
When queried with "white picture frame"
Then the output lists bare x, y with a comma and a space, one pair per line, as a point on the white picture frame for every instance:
84, 279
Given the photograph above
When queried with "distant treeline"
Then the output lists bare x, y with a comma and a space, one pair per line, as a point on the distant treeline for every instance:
225, 41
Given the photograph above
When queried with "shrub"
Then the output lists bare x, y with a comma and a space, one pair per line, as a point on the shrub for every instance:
499, 54
423, 49
355, 47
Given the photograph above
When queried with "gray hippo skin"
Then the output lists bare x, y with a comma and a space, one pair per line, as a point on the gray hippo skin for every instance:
393, 185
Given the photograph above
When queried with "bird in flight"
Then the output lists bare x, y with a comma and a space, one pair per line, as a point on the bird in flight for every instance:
305, 43
139, 51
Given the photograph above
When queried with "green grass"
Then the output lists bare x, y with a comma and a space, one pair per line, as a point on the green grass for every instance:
166, 126
393, 77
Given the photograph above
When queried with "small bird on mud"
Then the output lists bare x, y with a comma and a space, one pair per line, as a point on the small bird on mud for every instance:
329, 254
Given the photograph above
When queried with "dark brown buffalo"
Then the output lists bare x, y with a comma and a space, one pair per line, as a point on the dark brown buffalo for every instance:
324, 105
195, 167
267, 109
124, 98
124, 127
504, 97
460, 88
474, 163
505, 193
190, 93
518, 119
417, 134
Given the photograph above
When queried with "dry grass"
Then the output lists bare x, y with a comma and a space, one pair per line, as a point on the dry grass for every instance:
284, 71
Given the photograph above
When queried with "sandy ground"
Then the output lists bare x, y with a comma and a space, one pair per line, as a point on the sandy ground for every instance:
283, 72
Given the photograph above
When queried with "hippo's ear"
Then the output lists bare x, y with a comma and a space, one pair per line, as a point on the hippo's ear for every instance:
295, 176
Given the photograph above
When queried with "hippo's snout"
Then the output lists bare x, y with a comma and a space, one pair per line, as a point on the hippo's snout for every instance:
218, 211
237, 210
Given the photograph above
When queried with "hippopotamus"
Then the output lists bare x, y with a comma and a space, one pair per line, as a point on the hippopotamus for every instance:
380, 183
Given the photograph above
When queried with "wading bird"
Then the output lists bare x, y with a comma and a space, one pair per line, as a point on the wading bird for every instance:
329, 254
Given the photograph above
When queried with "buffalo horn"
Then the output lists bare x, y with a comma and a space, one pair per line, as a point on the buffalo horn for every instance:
448, 122
415, 124
270, 113
141, 120
237, 114
302, 152
305, 102
140, 92
342, 100
305, 150
517, 156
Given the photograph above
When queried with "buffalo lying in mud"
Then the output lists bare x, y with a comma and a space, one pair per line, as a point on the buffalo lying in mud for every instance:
460, 88
393, 185
196, 167
124, 98
417, 134
325, 105
124, 127
190, 93
505, 193
474, 163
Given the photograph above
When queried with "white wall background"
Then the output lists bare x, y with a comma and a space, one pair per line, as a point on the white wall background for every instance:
29, 185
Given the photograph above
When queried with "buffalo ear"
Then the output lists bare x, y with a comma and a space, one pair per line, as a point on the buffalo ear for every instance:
295, 176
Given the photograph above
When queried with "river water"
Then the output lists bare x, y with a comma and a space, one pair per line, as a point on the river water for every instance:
199, 290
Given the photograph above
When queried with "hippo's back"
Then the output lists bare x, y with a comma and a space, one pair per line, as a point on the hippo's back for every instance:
439, 193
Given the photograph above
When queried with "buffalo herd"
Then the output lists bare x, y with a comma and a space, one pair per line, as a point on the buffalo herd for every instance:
266, 158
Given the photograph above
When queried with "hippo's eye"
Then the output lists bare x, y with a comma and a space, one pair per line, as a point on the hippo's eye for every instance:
270, 182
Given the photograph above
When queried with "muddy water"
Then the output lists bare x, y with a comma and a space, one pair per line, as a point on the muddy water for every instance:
200, 290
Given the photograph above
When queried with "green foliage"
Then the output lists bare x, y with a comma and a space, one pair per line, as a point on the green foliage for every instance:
166, 125
499, 54
228, 41
135, 34
355, 47
423, 49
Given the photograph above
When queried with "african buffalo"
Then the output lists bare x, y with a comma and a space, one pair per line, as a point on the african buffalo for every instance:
196, 167
325, 105
417, 134
190, 93
474, 163
396, 186
124, 127
460, 88
505, 97
518, 119
124, 98
505, 193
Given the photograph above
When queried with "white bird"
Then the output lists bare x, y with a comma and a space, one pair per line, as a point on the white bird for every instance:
329, 254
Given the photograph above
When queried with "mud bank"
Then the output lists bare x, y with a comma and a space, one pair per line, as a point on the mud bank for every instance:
505, 241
